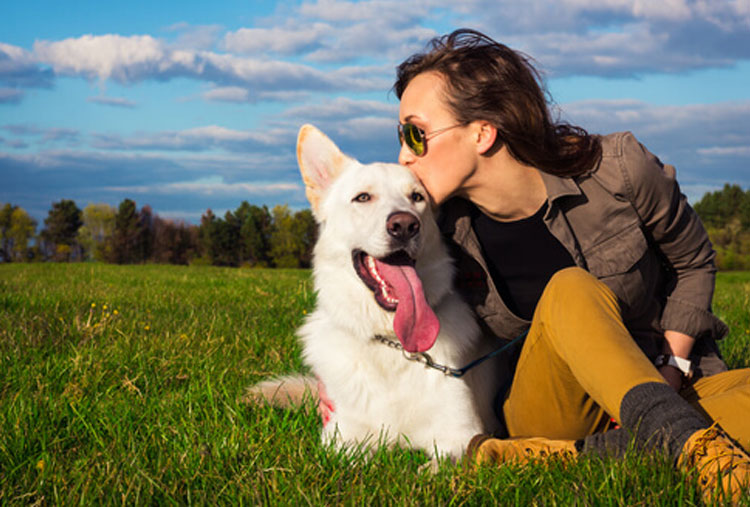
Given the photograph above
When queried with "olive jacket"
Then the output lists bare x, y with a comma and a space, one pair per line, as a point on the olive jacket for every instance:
627, 223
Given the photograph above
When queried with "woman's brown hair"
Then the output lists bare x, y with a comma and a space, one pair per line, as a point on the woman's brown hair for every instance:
486, 80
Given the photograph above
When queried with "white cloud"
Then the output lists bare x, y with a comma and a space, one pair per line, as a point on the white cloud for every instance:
209, 186
706, 142
197, 139
196, 36
341, 108
136, 58
393, 12
228, 94
239, 94
112, 101
699, 124
18, 68
123, 59
10, 95
725, 151
593, 37
277, 39
44, 135
616, 37
185, 185
676, 10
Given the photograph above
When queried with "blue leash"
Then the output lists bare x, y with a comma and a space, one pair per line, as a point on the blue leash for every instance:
424, 357
460, 372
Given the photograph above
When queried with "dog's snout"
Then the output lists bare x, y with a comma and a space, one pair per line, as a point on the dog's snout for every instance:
402, 225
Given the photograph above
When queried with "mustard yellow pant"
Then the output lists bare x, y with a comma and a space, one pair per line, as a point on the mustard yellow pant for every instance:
579, 361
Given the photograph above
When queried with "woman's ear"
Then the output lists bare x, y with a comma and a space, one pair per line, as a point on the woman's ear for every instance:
486, 134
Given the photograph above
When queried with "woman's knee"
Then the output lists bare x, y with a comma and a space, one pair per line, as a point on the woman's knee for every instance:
575, 287
571, 281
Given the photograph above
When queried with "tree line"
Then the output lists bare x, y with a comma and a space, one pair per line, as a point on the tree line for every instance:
248, 236
256, 236
726, 215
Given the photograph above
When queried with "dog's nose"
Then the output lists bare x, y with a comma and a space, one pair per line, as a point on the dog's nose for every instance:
402, 225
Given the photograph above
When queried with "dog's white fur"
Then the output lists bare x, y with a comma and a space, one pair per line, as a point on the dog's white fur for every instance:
377, 393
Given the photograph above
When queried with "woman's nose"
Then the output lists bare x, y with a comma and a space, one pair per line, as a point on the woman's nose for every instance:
405, 156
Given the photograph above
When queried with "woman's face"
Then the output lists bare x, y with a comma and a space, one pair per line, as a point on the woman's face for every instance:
450, 158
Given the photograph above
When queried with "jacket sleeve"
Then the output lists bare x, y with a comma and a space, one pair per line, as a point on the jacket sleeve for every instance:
677, 231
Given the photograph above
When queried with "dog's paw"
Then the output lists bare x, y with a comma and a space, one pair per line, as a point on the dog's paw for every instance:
288, 391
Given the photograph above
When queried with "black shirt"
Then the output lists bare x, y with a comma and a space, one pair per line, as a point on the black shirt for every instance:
522, 256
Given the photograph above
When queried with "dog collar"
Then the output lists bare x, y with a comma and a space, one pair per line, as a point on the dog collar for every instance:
426, 359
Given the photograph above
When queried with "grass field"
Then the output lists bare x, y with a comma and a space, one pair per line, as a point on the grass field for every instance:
120, 384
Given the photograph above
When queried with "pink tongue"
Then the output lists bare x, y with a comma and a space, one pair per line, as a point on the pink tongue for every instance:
415, 323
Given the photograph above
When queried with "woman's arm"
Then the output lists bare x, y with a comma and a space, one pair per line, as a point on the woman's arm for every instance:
677, 231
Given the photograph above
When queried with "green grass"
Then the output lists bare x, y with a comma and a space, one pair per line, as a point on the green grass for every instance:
141, 406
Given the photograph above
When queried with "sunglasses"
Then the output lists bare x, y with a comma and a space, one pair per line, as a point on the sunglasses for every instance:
416, 138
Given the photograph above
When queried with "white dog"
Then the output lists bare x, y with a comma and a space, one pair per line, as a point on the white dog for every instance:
383, 280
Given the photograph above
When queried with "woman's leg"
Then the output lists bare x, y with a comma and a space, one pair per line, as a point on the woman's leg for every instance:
724, 398
578, 363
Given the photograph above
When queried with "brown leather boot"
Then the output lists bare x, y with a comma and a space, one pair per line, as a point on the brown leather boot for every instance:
485, 449
722, 467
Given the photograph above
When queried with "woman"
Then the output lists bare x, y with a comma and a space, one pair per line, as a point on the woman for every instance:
588, 243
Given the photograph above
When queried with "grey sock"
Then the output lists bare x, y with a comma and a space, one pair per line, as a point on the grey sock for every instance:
655, 417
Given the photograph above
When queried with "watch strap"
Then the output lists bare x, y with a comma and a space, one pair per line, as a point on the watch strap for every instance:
682, 364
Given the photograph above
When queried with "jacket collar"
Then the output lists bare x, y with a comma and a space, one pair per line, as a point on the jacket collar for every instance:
455, 215
559, 187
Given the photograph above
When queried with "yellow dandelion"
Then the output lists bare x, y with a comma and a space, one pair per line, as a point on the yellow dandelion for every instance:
146, 327
104, 307
115, 312
40, 465
93, 305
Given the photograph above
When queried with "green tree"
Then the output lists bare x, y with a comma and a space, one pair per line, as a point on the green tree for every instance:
124, 241
174, 242
6, 212
282, 238
205, 235
292, 237
145, 238
61, 230
256, 226
219, 239
226, 241
726, 214
20, 232
716, 209
96, 231
744, 211
306, 229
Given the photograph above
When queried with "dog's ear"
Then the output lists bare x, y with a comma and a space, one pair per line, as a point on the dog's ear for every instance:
320, 162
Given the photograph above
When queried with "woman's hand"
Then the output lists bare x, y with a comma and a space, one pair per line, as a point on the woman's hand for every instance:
672, 375
675, 344
325, 405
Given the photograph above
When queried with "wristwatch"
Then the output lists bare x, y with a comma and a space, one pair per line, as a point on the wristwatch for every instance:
682, 364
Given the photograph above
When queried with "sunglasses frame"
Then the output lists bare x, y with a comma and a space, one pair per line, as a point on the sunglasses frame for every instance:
423, 136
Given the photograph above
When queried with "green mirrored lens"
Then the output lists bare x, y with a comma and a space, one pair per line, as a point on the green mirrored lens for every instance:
414, 139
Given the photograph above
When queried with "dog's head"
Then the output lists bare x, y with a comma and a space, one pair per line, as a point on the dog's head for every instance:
378, 216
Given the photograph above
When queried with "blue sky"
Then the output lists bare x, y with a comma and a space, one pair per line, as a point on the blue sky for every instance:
192, 105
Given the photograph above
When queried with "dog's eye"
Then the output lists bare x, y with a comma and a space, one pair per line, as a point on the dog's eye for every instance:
363, 197
417, 197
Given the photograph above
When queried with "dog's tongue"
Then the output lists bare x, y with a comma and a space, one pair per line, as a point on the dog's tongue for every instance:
415, 323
